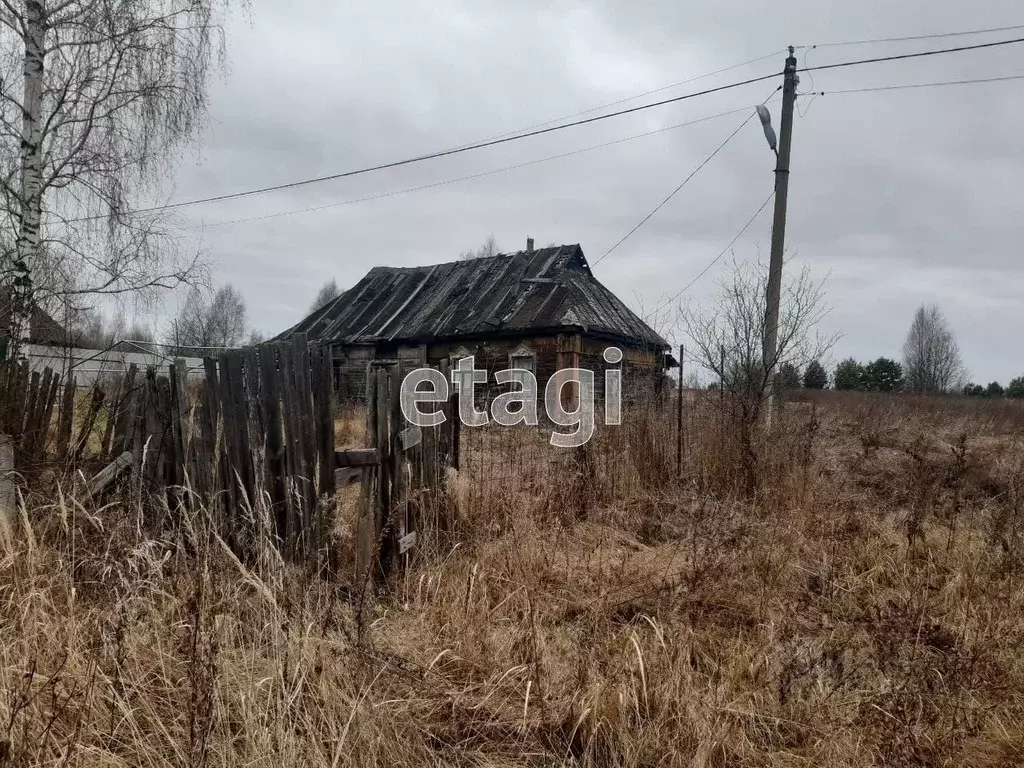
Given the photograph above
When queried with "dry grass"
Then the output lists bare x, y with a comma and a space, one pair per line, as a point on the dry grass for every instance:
860, 605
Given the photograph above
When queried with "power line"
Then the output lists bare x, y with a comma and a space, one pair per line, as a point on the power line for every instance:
562, 155
914, 55
445, 152
469, 177
641, 95
911, 38
904, 86
719, 257
540, 131
672, 194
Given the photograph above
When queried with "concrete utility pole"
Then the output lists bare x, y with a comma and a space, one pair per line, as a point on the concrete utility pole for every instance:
770, 344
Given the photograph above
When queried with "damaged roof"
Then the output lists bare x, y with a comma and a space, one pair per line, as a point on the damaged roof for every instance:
544, 290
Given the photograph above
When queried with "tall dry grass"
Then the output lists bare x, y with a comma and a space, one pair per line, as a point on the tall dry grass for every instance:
859, 605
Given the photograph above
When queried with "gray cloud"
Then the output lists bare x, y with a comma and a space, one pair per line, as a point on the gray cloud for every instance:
904, 196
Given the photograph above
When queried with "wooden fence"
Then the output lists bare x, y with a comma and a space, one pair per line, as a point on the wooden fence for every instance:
404, 476
254, 439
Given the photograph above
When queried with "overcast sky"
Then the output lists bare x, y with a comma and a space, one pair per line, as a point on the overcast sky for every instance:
903, 197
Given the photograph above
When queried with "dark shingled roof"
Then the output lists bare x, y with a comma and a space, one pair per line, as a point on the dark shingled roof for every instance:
548, 289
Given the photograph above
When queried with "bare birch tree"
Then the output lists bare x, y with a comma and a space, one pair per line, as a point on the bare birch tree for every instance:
489, 248
202, 324
931, 358
96, 97
328, 292
726, 339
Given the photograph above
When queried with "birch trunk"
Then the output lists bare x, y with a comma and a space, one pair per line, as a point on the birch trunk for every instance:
31, 198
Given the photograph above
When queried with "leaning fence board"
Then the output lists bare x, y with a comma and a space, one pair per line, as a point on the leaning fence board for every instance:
110, 473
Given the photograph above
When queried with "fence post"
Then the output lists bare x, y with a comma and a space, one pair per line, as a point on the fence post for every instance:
679, 418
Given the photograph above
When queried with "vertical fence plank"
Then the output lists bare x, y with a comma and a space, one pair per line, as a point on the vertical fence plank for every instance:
184, 469
27, 427
113, 402
270, 407
398, 522
254, 423
175, 442
33, 415
95, 403
211, 455
125, 414
236, 437
292, 457
47, 416
22, 394
367, 527
324, 420
324, 438
162, 437
306, 442
384, 473
138, 433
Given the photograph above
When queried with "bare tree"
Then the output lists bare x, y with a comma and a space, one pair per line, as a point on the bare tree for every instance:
90, 329
96, 98
203, 324
328, 292
489, 248
931, 358
726, 338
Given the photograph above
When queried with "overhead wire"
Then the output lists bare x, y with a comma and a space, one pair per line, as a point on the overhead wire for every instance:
913, 55
685, 181
672, 194
549, 129
660, 89
445, 152
582, 150
913, 38
720, 255
905, 86
471, 176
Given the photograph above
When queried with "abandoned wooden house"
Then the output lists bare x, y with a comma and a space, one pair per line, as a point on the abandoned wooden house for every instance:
538, 309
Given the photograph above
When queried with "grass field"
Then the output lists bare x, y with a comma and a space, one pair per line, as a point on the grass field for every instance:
849, 594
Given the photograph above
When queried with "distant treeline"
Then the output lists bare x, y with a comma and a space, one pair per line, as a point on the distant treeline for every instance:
881, 375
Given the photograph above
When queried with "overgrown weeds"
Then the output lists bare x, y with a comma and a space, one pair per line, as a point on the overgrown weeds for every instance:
860, 607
